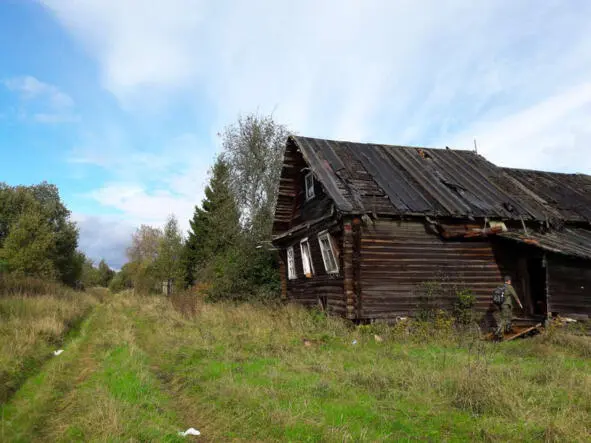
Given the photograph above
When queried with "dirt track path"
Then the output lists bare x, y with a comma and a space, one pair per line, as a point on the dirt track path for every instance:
101, 388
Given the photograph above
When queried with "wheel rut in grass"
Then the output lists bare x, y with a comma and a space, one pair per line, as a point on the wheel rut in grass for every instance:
100, 388
35, 363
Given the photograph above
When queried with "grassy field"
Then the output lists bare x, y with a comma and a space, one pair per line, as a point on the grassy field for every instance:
141, 370
32, 326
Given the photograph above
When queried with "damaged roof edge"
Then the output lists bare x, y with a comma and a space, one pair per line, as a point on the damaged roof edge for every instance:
572, 242
323, 172
363, 177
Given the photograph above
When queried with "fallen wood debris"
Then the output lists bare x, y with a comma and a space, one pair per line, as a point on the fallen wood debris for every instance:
516, 332
521, 332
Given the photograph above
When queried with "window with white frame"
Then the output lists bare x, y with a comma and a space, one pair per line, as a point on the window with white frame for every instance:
306, 258
309, 186
291, 270
329, 256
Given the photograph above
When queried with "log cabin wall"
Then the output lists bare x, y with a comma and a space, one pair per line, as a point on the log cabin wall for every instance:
292, 207
321, 286
400, 258
569, 285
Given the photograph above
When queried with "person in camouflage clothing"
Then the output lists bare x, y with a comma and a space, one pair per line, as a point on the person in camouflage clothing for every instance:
504, 313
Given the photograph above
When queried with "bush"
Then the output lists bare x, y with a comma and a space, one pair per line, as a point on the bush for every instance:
241, 275
428, 300
463, 308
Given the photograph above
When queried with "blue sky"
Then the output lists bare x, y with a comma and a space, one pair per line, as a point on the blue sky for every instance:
118, 102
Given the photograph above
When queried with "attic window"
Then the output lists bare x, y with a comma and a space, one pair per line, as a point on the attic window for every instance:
309, 186
328, 253
306, 258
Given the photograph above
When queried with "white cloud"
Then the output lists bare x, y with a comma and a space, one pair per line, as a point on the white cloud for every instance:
147, 186
553, 134
145, 207
32, 88
43, 102
512, 74
390, 71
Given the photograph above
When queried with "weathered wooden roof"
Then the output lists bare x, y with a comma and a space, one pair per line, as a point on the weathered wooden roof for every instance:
402, 180
569, 241
569, 195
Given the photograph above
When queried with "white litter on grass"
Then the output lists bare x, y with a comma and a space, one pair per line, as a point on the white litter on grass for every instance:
190, 431
58, 352
354, 342
570, 320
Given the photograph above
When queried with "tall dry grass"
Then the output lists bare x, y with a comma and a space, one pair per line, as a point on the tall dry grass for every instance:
12, 285
35, 317
295, 366
145, 367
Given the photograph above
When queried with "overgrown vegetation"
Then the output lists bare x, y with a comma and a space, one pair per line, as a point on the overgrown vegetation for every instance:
146, 368
38, 239
35, 317
226, 253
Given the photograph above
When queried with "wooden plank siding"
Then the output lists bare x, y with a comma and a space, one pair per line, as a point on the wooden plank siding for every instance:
399, 257
569, 286
309, 291
292, 208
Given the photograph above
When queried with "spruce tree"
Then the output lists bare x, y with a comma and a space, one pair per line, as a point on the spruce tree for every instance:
215, 226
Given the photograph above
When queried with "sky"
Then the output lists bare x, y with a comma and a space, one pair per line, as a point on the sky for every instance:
120, 102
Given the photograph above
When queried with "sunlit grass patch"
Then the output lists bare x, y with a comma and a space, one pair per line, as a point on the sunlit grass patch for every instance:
142, 370
32, 327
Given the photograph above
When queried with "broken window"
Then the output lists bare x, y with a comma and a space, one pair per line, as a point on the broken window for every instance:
328, 253
291, 270
306, 258
309, 186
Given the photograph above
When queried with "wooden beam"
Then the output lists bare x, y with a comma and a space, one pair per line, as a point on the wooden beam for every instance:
348, 269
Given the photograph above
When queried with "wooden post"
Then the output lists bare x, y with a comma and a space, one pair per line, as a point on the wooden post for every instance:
282, 270
547, 284
348, 269
357, 265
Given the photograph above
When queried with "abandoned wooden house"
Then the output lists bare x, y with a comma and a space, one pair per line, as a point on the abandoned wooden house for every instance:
371, 231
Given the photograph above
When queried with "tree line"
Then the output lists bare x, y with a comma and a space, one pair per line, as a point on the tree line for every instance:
38, 239
227, 251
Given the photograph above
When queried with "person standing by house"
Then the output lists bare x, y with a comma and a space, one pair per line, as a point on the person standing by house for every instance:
504, 314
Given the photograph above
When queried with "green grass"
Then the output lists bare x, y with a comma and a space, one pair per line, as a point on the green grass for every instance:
32, 327
99, 389
140, 370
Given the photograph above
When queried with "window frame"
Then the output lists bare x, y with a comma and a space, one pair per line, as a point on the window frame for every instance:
292, 273
309, 187
307, 257
326, 235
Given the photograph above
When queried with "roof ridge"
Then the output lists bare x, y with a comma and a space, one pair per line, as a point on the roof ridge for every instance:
506, 168
384, 145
